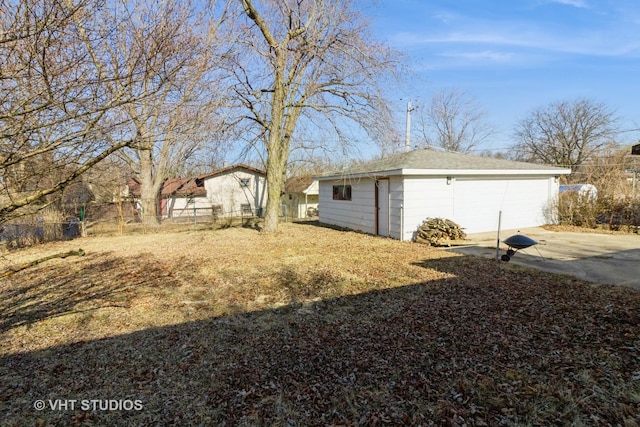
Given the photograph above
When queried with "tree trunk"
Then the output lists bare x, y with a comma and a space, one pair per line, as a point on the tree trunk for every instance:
149, 189
319, 63
276, 167
278, 144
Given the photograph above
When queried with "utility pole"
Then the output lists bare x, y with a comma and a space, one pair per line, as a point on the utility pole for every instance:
407, 136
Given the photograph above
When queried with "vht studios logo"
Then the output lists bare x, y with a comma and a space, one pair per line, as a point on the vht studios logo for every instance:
88, 405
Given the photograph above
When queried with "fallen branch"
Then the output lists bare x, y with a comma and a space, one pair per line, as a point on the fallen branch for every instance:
13, 270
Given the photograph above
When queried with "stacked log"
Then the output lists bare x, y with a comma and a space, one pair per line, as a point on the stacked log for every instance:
439, 232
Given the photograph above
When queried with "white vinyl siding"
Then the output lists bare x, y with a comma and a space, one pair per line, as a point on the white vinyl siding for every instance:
478, 202
472, 202
396, 206
302, 205
297, 204
357, 213
227, 190
425, 197
181, 207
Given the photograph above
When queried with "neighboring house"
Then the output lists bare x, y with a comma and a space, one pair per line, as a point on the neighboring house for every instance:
237, 190
233, 191
392, 196
183, 197
584, 191
301, 197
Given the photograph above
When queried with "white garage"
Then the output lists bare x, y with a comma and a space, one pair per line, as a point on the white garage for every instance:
392, 196
475, 201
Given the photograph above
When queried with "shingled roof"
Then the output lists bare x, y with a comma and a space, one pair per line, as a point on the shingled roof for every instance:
182, 187
429, 160
298, 184
189, 187
238, 166
172, 187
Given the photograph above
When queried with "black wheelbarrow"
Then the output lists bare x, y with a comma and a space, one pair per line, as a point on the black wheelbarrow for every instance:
515, 243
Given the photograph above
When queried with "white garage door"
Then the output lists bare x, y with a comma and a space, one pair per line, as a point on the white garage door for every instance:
477, 203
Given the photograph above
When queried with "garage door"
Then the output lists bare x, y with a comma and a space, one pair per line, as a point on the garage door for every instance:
477, 203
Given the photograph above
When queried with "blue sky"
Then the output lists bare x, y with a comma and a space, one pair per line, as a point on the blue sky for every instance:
514, 56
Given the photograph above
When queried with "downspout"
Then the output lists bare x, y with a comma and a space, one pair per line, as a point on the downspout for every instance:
389, 205
376, 209
402, 223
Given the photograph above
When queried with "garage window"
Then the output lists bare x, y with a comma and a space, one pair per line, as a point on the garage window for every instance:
341, 192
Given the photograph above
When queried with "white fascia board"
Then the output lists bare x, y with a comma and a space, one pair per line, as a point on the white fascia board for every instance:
447, 172
312, 189
347, 175
462, 172
309, 190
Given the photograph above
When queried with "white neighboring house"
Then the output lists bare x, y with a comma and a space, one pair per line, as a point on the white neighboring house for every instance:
584, 191
301, 196
233, 191
393, 196
179, 197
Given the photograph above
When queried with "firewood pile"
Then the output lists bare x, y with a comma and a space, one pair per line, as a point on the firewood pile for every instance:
440, 232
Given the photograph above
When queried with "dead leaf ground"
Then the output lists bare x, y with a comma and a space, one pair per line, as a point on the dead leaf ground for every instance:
310, 326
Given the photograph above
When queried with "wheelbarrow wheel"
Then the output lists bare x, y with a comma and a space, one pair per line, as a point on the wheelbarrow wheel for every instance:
505, 258
511, 253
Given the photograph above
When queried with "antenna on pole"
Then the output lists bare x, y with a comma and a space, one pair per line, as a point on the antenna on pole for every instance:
407, 136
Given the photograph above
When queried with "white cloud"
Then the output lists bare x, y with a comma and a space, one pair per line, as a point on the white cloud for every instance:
482, 56
496, 38
524, 38
594, 43
445, 17
575, 3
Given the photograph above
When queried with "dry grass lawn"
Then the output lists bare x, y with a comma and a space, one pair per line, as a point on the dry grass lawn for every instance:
311, 326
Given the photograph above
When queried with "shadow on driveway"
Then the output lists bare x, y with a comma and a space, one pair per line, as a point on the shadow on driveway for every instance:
602, 258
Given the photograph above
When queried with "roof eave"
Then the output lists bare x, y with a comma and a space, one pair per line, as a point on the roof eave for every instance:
444, 172
463, 172
231, 168
356, 175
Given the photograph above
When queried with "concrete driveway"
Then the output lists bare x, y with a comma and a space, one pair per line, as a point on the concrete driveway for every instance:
601, 258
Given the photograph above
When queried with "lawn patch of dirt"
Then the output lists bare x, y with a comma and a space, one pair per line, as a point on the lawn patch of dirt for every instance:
310, 326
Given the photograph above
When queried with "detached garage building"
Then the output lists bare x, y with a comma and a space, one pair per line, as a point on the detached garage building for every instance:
392, 196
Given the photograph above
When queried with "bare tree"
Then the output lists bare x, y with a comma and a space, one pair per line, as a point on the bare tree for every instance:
454, 121
55, 111
109, 182
306, 61
565, 133
607, 171
170, 48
